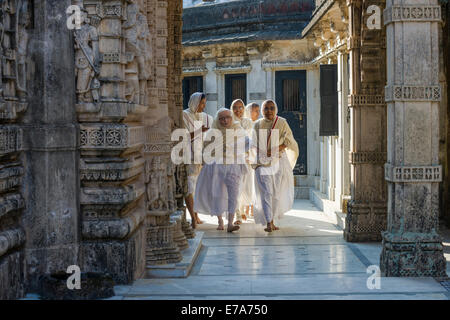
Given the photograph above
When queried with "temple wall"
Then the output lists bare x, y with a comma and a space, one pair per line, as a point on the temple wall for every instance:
85, 157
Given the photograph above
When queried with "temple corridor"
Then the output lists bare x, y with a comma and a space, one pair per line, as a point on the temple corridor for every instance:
307, 259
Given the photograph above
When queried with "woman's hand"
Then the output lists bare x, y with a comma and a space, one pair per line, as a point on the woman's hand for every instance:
281, 148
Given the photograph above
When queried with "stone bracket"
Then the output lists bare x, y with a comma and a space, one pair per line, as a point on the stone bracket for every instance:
11, 239
413, 173
412, 93
112, 229
365, 157
361, 100
417, 13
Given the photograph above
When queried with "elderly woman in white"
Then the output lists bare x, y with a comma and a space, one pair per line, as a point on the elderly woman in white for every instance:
246, 196
194, 113
219, 182
252, 111
274, 179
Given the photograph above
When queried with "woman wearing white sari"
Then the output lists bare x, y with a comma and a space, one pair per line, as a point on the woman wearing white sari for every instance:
274, 179
194, 113
246, 196
219, 182
252, 112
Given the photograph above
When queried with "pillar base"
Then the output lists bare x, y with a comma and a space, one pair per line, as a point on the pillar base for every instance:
122, 259
186, 226
412, 255
161, 247
365, 222
179, 237
12, 276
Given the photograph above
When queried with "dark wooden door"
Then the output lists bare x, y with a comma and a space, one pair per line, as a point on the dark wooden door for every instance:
290, 87
191, 85
329, 122
235, 88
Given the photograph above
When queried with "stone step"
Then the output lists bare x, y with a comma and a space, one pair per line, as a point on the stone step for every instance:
301, 192
329, 208
181, 269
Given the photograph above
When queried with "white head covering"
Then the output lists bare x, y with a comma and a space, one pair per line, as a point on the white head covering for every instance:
227, 146
216, 124
249, 109
264, 104
194, 101
246, 123
286, 135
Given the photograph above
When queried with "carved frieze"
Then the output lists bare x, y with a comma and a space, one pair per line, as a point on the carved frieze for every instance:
10, 203
413, 173
412, 93
11, 138
110, 136
415, 13
111, 195
112, 229
10, 176
356, 100
116, 169
362, 157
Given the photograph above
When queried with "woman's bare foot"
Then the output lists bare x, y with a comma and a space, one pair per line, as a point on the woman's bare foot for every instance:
233, 228
244, 217
198, 219
238, 222
274, 227
220, 227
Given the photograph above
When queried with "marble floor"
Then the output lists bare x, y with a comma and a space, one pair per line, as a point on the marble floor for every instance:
306, 259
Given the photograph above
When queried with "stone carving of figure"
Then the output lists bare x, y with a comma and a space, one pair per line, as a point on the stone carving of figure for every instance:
163, 185
181, 184
137, 37
143, 57
86, 61
171, 186
131, 45
151, 183
22, 37
156, 185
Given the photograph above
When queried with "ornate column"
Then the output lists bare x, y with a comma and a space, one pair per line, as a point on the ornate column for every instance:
112, 54
411, 244
163, 233
366, 217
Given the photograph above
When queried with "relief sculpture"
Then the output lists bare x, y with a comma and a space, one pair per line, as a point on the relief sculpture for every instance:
86, 61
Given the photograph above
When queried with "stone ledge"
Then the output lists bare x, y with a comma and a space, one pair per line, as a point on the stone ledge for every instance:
329, 208
181, 269
301, 192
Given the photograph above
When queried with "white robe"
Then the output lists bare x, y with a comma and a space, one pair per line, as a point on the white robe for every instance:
193, 170
218, 188
274, 184
246, 196
219, 185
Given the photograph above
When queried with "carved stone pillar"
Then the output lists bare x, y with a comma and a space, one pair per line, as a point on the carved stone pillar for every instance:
13, 105
411, 244
111, 101
51, 179
161, 173
366, 217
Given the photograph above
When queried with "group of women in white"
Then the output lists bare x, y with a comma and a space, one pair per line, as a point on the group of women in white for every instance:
237, 186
